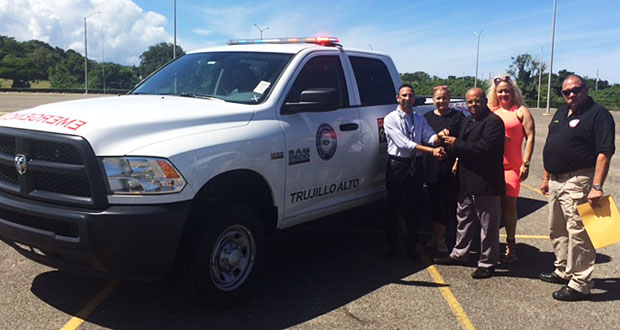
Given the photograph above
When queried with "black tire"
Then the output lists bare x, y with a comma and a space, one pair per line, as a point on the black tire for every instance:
228, 256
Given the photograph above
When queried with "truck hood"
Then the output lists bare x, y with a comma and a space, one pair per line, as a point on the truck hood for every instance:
119, 124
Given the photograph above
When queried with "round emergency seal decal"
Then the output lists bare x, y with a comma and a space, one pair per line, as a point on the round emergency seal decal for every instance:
326, 141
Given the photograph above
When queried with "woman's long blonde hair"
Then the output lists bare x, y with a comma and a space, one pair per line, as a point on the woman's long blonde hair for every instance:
517, 97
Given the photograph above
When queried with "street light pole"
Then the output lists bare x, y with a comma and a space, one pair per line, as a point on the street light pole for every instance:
548, 112
261, 30
477, 56
86, 53
174, 47
540, 68
102, 61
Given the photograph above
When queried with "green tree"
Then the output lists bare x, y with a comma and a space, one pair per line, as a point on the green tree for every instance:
417, 76
423, 83
117, 77
43, 56
69, 73
156, 56
608, 97
526, 70
20, 69
9, 46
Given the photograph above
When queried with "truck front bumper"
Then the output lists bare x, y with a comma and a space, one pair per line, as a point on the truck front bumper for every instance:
130, 242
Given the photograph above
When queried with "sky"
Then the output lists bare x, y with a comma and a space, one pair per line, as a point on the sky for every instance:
437, 37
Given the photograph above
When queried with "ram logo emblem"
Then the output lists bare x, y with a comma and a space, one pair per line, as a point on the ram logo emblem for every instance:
21, 164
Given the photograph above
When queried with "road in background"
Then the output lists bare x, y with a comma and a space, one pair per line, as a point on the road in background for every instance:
11, 101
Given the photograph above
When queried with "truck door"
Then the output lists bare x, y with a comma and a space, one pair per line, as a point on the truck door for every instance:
376, 91
322, 136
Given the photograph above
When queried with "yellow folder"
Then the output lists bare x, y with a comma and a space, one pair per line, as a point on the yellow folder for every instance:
602, 222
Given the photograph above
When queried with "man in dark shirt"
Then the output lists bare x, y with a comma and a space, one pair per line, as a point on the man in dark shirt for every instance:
480, 149
576, 157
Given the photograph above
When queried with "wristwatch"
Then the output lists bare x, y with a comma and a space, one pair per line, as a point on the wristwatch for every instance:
597, 187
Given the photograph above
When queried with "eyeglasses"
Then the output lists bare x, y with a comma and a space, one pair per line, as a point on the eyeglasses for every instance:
440, 87
575, 91
500, 79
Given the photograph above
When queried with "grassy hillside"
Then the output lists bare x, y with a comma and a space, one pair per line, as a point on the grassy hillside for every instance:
6, 83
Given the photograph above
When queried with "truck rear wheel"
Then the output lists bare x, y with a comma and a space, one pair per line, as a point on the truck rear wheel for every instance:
229, 254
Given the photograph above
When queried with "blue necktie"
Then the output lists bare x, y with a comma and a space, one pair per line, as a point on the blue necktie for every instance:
410, 134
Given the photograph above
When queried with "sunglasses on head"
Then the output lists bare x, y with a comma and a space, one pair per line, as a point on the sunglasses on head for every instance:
500, 79
440, 87
575, 91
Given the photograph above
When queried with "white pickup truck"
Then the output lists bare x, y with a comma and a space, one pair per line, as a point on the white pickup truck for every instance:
201, 161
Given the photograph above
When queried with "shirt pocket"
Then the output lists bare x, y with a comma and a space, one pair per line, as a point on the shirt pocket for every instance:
553, 126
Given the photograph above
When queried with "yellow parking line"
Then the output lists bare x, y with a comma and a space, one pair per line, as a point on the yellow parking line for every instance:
456, 308
536, 190
527, 236
77, 320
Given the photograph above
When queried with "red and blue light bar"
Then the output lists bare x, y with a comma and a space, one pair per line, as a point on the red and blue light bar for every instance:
310, 40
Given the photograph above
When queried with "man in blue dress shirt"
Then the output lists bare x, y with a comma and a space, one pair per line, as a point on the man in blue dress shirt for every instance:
406, 133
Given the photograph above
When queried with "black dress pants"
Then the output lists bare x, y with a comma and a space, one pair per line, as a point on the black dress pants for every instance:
442, 195
404, 189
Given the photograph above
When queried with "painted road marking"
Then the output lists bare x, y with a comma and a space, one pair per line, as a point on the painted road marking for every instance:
77, 320
449, 297
536, 190
527, 236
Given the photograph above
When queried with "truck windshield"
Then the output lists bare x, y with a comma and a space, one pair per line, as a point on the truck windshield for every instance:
240, 77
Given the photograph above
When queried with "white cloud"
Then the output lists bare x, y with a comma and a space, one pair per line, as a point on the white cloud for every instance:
203, 32
127, 29
438, 40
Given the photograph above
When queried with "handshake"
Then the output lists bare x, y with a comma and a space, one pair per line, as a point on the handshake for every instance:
439, 152
445, 137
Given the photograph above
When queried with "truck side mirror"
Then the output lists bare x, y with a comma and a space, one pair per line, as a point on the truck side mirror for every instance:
314, 99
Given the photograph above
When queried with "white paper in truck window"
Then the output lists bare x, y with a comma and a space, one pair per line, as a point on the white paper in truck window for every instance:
262, 87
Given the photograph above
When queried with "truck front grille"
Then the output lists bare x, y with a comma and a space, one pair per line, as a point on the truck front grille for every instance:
8, 174
59, 168
62, 183
56, 152
7, 145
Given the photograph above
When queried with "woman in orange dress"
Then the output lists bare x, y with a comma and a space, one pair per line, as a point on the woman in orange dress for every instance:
506, 101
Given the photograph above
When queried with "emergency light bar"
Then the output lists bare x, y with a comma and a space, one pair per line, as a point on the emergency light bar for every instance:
310, 40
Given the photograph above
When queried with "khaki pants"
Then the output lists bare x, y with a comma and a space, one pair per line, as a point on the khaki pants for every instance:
574, 253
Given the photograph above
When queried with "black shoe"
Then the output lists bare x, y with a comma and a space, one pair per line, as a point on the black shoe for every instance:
568, 294
552, 278
483, 272
389, 253
448, 261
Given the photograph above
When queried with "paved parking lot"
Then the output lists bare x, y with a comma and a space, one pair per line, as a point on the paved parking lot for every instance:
330, 274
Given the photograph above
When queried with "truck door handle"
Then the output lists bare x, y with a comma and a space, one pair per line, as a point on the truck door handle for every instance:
349, 127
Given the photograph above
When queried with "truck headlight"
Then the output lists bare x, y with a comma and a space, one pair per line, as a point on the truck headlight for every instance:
142, 175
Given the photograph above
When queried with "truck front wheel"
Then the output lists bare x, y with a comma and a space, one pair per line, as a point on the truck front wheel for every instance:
228, 258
